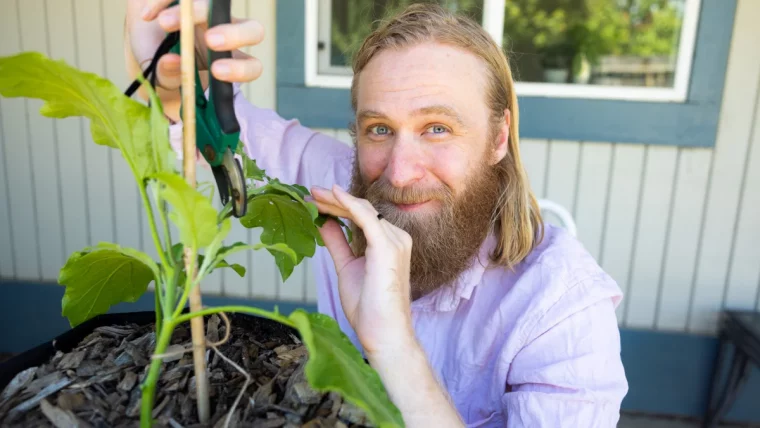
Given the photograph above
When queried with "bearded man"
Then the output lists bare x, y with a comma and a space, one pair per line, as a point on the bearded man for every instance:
471, 309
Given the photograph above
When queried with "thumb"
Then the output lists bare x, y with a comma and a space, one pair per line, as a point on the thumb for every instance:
337, 244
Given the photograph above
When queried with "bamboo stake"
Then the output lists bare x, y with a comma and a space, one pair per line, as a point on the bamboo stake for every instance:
187, 55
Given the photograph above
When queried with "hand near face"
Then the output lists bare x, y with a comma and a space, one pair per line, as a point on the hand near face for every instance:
374, 289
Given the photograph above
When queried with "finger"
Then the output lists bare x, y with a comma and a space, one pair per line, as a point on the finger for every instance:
169, 72
337, 244
153, 7
324, 195
326, 200
244, 69
226, 37
333, 210
401, 236
169, 19
363, 214
390, 232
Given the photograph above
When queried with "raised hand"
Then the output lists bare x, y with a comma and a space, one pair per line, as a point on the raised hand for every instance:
148, 22
374, 289
375, 295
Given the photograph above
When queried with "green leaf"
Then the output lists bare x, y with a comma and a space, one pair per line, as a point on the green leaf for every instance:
159, 127
115, 120
302, 190
239, 269
294, 192
193, 214
286, 221
250, 169
216, 244
97, 278
241, 246
336, 365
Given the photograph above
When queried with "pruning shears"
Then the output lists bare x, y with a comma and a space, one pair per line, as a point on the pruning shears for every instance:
217, 128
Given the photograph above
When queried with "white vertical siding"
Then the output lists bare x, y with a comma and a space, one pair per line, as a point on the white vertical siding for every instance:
676, 227
683, 239
651, 232
622, 214
591, 195
562, 172
17, 147
727, 172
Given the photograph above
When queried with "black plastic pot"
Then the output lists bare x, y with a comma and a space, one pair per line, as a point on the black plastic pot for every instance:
66, 342
69, 340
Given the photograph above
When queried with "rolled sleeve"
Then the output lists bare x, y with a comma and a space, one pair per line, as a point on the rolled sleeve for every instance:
570, 372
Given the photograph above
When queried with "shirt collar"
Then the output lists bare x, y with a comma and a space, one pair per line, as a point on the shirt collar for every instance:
447, 298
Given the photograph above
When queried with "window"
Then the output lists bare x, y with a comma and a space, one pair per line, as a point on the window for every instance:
604, 49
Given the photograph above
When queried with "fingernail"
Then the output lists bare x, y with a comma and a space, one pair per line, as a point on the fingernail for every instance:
146, 11
216, 39
221, 70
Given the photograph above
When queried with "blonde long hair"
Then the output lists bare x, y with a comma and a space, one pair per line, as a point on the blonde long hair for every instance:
517, 220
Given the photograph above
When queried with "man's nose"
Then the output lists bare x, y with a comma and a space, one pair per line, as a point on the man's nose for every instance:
405, 165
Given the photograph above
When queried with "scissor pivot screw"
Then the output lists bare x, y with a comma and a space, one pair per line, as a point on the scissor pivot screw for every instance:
210, 153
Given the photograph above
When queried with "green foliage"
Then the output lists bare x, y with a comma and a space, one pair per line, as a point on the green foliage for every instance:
99, 277
336, 365
193, 213
96, 278
355, 19
251, 171
593, 27
115, 120
285, 221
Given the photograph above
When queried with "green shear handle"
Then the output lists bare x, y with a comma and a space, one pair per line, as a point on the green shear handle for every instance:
217, 128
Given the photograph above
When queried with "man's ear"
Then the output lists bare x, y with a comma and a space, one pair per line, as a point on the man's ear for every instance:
502, 139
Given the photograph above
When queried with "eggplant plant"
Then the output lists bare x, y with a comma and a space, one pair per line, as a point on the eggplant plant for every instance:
100, 276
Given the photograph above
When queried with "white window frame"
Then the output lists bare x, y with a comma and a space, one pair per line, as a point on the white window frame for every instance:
493, 22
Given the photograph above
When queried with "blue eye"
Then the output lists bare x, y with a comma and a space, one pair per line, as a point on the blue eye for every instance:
438, 129
380, 129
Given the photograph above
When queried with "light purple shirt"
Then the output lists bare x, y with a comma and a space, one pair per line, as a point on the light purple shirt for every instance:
537, 347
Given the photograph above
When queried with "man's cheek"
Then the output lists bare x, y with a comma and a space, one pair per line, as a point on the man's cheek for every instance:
372, 163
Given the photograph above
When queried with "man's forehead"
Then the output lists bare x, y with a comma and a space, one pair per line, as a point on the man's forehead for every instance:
424, 76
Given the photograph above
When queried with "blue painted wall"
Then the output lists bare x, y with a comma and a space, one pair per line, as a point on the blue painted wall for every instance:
668, 373
691, 123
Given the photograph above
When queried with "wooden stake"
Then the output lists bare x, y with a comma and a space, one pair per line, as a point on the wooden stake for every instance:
187, 55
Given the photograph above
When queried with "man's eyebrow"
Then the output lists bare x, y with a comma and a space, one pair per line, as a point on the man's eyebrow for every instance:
433, 109
441, 109
370, 114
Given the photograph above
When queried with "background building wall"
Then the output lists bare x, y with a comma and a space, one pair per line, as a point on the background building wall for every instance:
677, 227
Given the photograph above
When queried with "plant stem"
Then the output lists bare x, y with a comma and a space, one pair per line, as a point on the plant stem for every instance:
224, 213
167, 231
241, 309
148, 386
187, 55
190, 284
153, 228
159, 311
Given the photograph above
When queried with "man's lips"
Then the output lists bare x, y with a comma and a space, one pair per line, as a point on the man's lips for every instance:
411, 207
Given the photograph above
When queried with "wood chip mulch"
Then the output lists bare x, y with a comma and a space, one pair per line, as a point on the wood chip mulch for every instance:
97, 384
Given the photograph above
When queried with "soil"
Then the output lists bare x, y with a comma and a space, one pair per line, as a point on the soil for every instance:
97, 384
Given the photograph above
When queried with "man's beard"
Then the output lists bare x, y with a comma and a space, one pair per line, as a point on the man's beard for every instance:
444, 242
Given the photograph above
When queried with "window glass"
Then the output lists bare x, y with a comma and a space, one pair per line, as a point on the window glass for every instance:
629, 49
596, 42
352, 20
